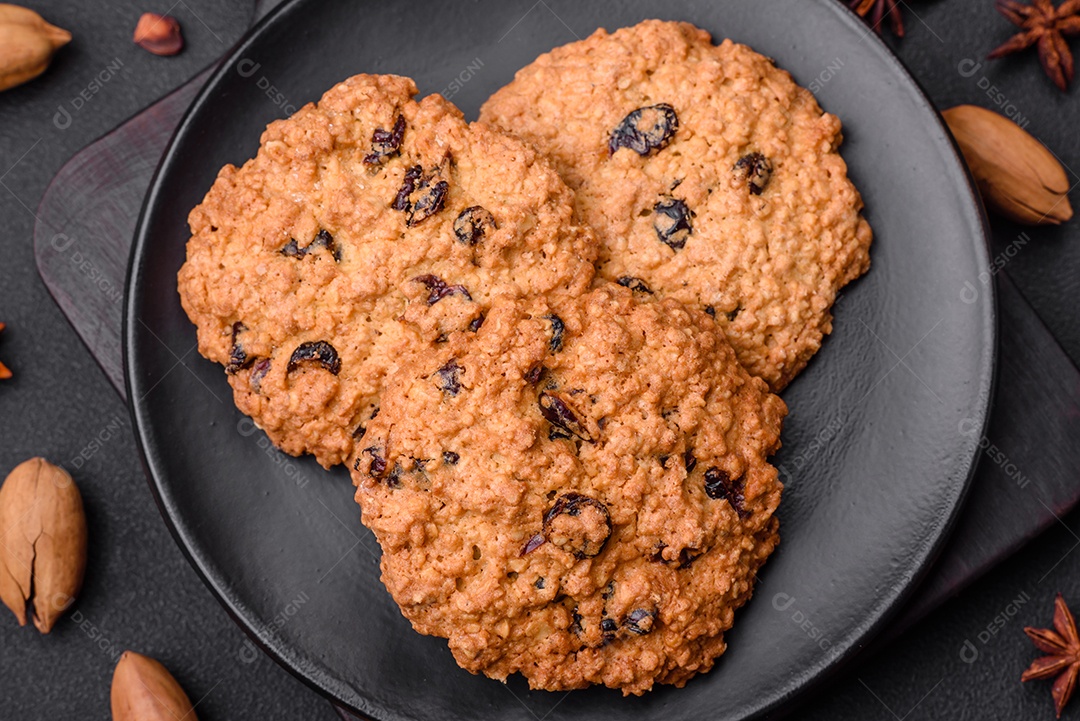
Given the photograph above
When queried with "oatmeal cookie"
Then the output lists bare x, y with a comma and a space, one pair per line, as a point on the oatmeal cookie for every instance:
708, 175
367, 225
578, 492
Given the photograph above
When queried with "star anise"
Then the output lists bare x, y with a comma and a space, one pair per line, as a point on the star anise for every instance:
880, 8
1063, 646
1044, 26
4, 372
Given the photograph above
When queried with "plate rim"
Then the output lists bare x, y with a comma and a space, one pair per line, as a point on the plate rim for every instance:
814, 676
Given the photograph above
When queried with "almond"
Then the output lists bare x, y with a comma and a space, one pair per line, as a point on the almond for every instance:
1017, 176
43, 549
27, 44
144, 690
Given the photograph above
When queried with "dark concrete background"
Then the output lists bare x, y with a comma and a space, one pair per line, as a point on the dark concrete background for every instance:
962, 662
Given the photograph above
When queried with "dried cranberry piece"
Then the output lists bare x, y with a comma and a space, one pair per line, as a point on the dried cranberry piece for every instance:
640, 621
533, 543
323, 239
608, 627
645, 130
385, 144
430, 201
378, 463
634, 284
533, 375
687, 556
557, 330
420, 195
362, 428
393, 479
755, 170
472, 224
719, 485
689, 461
292, 249
450, 458
558, 434
672, 222
438, 289
578, 524
408, 185
608, 592
238, 359
575, 624
449, 377
318, 351
258, 372
558, 413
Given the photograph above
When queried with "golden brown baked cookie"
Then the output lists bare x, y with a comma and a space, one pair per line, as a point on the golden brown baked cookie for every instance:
367, 226
708, 175
578, 492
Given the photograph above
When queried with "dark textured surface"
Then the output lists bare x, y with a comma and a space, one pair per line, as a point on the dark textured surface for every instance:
68, 403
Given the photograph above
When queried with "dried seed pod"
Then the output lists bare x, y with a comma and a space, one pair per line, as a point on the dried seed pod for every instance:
27, 44
144, 690
43, 556
158, 34
1017, 176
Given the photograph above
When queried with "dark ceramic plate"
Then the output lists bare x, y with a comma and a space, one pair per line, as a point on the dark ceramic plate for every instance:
878, 449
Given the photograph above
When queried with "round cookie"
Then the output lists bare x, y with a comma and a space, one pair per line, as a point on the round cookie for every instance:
579, 492
708, 175
368, 225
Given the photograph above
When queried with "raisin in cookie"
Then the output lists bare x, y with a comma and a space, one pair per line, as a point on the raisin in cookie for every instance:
708, 175
578, 492
367, 225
